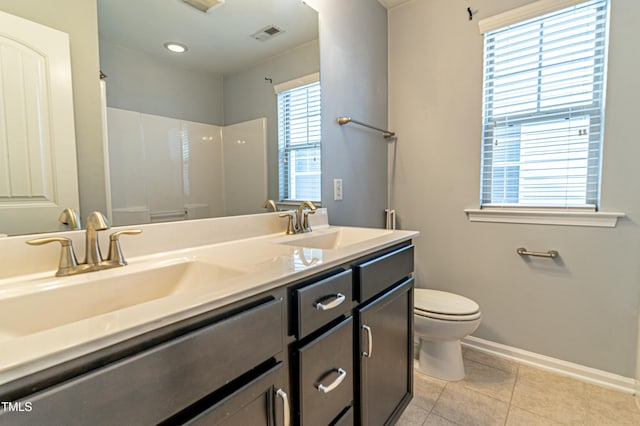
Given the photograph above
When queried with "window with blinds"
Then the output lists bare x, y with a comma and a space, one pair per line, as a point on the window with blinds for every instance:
299, 143
543, 109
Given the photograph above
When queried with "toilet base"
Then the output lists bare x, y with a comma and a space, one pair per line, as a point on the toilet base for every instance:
441, 359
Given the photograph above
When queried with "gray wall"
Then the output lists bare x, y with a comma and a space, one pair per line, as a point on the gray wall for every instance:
139, 82
80, 21
247, 95
582, 309
353, 70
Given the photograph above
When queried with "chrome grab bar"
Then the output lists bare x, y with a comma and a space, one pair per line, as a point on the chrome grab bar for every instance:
369, 351
552, 254
326, 389
344, 120
339, 299
285, 406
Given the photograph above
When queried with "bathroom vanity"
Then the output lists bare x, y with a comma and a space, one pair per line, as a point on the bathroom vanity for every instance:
318, 331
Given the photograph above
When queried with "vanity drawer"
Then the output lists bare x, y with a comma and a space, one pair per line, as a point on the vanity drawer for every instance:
325, 369
323, 301
156, 383
376, 275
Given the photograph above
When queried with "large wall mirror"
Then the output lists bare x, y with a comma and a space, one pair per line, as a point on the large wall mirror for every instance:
195, 134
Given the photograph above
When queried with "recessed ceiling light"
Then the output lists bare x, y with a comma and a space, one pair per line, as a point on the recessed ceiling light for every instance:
175, 47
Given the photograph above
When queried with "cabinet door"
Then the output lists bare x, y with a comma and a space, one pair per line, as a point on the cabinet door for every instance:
385, 354
261, 402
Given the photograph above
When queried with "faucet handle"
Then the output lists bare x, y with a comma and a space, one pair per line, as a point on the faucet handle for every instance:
68, 262
116, 258
305, 223
290, 224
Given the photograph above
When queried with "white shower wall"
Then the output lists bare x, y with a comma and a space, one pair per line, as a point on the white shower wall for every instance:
126, 156
164, 169
245, 166
202, 167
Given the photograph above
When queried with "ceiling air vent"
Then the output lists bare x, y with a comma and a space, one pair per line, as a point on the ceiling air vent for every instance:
204, 5
267, 32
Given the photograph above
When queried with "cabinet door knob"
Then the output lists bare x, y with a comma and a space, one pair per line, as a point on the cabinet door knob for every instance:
326, 389
369, 351
339, 299
285, 406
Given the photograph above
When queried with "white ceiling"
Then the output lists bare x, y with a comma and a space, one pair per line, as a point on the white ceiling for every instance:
392, 3
219, 41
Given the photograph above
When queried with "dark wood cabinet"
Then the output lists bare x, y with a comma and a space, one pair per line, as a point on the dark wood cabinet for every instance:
385, 355
169, 379
382, 312
332, 349
322, 353
384, 335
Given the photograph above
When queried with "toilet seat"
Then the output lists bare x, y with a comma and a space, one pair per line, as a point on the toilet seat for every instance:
443, 305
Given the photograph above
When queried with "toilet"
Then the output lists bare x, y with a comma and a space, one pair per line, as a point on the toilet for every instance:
441, 319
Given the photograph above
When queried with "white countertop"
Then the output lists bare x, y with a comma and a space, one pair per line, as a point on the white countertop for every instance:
260, 262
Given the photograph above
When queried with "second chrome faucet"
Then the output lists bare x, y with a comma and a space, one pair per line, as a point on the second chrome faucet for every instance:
68, 264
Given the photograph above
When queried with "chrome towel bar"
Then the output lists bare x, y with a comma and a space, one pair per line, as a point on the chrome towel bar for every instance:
344, 120
552, 254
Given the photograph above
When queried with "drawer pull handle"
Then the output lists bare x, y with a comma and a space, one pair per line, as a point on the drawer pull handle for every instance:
326, 389
285, 405
369, 351
340, 298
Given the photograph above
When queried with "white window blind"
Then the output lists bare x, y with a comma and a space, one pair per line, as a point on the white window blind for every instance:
544, 85
299, 143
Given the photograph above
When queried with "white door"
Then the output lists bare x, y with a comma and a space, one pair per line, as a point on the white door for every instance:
38, 174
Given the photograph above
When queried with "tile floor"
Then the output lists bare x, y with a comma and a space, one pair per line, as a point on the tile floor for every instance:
500, 392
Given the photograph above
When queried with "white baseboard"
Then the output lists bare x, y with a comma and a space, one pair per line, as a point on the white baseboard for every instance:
577, 371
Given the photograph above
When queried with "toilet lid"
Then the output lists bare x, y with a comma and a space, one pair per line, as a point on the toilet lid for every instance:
442, 302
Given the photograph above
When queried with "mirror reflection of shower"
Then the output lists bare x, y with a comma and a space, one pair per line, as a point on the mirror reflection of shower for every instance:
164, 169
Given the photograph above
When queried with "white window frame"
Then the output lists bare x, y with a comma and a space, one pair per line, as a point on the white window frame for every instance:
287, 153
533, 214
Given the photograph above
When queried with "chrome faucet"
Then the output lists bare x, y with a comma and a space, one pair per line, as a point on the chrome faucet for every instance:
68, 264
302, 218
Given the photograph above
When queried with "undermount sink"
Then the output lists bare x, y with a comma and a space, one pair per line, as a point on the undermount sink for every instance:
331, 239
63, 304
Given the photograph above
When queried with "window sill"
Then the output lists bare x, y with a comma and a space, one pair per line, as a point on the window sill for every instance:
545, 217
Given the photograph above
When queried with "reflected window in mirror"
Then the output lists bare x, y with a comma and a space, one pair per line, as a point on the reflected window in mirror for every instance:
299, 138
